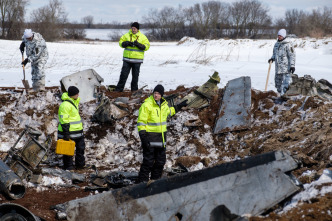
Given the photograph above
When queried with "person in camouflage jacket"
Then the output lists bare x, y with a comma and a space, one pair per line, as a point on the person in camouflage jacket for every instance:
37, 54
284, 57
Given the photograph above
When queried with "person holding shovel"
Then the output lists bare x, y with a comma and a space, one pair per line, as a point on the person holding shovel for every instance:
37, 55
284, 57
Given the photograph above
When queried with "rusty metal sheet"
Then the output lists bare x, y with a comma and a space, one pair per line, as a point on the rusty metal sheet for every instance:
234, 111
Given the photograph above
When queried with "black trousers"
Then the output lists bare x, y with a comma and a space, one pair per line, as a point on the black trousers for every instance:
79, 155
154, 160
135, 68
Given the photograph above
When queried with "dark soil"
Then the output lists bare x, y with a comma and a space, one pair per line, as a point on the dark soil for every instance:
303, 127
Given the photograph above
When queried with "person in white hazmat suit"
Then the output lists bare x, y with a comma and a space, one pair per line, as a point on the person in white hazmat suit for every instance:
37, 54
284, 57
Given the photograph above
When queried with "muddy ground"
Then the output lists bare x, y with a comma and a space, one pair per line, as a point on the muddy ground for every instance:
301, 125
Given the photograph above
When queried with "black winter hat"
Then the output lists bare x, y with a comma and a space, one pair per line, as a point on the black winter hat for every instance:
135, 24
72, 91
159, 88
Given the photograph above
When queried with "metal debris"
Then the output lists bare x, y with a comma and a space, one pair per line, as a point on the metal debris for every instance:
74, 177
108, 111
10, 184
247, 186
86, 81
234, 111
308, 86
23, 161
203, 95
15, 212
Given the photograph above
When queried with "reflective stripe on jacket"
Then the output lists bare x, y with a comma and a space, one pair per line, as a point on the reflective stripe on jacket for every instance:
68, 114
134, 54
153, 119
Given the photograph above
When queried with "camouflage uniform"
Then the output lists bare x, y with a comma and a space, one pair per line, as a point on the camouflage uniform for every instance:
284, 57
37, 54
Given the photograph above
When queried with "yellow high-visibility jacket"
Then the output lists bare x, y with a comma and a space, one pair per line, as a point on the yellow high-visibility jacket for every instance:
69, 114
134, 54
153, 119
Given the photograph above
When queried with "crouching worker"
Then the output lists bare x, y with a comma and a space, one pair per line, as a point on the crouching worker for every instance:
152, 127
71, 127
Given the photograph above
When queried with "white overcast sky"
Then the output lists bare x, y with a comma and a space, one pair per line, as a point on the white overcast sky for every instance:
127, 11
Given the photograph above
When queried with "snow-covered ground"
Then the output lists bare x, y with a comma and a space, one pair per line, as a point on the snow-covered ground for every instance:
188, 62
171, 64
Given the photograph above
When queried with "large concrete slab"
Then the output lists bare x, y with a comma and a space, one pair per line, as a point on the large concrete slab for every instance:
86, 81
234, 111
248, 186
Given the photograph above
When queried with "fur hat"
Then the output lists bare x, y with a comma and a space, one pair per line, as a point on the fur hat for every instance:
282, 32
72, 91
159, 88
28, 33
135, 24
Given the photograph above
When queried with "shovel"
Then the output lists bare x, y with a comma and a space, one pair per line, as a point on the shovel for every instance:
25, 82
268, 75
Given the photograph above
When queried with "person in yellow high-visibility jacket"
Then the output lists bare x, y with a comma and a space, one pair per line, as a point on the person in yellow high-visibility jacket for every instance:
135, 44
71, 127
152, 127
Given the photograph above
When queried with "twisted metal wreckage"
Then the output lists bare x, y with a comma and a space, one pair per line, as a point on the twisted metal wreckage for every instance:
247, 186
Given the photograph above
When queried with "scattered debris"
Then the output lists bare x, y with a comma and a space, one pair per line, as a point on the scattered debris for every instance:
308, 86
74, 177
23, 161
12, 211
108, 111
201, 97
10, 184
193, 123
234, 112
86, 81
248, 186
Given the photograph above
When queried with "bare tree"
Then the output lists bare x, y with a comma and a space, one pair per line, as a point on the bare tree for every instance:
166, 24
50, 20
319, 22
88, 21
204, 19
12, 17
258, 19
296, 21
239, 17
74, 31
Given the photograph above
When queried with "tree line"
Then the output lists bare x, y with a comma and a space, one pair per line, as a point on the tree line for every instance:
207, 20
241, 19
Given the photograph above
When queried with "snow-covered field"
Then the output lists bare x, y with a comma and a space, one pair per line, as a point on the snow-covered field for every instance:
187, 63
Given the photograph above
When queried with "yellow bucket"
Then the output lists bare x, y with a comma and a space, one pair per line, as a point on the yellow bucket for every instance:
65, 147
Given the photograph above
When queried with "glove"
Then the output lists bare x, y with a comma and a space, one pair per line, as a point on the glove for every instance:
22, 46
66, 137
179, 106
139, 45
270, 60
292, 70
144, 139
25, 61
127, 43
65, 129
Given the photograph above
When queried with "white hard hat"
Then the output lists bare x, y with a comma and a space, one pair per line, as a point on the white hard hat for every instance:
27, 33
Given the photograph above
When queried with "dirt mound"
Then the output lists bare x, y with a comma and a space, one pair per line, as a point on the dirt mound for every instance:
301, 125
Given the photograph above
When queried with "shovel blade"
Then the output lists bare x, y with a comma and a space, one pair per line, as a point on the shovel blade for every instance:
26, 84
